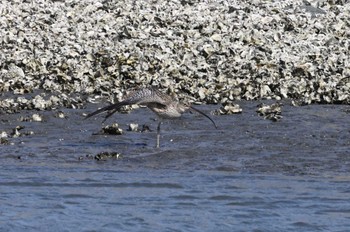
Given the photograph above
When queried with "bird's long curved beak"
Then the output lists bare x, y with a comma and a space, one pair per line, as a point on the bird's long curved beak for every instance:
197, 110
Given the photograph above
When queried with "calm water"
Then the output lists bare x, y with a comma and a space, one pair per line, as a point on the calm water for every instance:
250, 175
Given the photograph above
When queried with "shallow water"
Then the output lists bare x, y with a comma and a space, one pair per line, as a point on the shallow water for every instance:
250, 174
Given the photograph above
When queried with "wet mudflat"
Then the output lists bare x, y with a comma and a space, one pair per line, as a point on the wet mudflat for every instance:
250, 174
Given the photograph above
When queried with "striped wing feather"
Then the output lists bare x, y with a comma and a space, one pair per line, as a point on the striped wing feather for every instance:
139, 97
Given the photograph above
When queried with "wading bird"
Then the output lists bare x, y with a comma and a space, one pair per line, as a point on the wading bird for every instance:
161, 104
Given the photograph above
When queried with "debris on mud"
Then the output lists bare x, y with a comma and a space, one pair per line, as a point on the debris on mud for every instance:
61, 114
271, 112
16, 132
136, 128
4, 141
146, 128
112, 130
107, 155
33, 118
228, 108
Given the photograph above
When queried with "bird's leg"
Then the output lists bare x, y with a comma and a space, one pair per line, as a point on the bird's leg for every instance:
158, 134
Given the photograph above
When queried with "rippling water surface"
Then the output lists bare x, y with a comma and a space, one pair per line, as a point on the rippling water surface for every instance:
250, 174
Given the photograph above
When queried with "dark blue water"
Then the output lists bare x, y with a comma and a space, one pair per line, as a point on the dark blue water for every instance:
107, 197
250, 175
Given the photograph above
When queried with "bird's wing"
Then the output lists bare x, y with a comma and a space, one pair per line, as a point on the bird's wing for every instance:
112, 108
142, 96
147, 96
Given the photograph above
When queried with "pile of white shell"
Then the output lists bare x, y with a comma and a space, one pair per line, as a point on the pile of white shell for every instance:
211, 51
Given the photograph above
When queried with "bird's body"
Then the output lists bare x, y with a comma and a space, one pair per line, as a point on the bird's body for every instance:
161, 104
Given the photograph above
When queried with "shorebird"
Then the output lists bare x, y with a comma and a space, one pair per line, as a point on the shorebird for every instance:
161, 104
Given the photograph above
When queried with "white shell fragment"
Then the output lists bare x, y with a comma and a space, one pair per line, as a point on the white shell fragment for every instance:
133, 127
3, 134
37, 118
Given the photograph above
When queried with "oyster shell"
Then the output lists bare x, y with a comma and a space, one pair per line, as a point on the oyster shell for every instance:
214, 52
